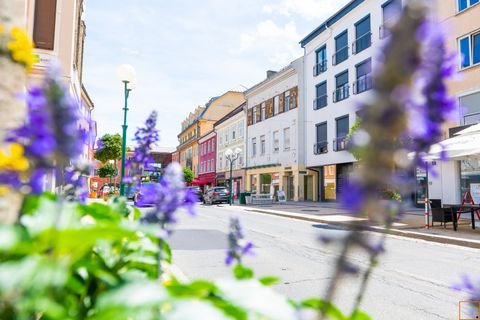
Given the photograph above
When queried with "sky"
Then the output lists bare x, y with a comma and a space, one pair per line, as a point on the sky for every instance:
187, 51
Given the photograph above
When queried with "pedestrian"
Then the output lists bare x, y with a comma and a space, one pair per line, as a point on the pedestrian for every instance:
106, 192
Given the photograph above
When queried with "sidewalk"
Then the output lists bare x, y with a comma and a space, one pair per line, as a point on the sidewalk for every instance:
411, 225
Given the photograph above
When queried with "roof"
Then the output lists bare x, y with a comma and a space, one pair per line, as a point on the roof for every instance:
331, 21
235, 111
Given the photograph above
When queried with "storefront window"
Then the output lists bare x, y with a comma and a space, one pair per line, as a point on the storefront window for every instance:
470, 179
422, 183
329, 182
265, 183
253, 183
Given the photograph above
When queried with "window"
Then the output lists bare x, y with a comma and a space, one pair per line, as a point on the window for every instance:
262, 145
220, 134
213, 145
321, 61
364, 78
470, 105
321, 98
342, 131
464, 4
321, 145
240, 129
208, 146
391, 10
234, 133
276, 142
470, 50
226, 136
363, 36
44, 24
220, 163
275, 105
287, 100
286, 139
254, 115
254, 147
263, 111
341, 48
342, 87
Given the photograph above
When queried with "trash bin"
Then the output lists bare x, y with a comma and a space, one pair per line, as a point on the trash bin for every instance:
242, 198
247, 198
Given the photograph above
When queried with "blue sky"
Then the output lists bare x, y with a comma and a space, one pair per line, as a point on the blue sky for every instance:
186, 52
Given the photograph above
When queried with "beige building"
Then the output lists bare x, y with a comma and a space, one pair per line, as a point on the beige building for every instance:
460, 19
58, 31
200, 122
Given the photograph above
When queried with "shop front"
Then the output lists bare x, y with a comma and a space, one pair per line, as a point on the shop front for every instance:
333, 179
220, 179
207, 180
238, 180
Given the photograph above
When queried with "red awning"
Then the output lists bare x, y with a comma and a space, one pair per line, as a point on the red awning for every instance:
198, 182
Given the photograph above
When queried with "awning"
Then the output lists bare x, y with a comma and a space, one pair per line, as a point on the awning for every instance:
198, 182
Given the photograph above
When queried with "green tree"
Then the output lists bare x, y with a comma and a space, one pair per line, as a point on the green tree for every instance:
110, 148
106, 171
187, 175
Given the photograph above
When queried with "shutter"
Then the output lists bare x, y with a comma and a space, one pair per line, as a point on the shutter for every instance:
44, 24
269, 104
281, 107
294, 98
249, 117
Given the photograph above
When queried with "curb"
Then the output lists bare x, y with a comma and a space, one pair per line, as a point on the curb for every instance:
475, 244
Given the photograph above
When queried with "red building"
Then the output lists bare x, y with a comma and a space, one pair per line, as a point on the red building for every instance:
207, 160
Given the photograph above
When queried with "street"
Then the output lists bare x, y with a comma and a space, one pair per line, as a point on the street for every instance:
412, 281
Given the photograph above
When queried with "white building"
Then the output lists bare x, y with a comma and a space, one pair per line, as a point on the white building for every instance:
231, 131
275, 135
339, 57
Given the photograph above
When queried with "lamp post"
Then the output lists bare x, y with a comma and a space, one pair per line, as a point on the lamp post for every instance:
127, 75
231, 156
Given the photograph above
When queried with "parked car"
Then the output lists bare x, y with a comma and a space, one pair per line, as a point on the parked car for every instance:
130, 192
145, 196
197, 191
216, 195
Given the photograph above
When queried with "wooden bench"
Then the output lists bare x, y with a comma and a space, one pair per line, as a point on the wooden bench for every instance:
262, 198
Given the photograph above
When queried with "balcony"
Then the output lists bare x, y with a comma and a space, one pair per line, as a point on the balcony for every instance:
364, 83
384, 31
320, 147
340, 56
320, 102
341, 144
319, 68
341, 93
362, 43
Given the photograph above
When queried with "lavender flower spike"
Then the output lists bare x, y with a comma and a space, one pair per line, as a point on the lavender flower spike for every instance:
238, 246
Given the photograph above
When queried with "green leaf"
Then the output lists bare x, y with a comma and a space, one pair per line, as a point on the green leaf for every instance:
242, 272
326, 307
359, 315
100, 212
199, 289
268, 281
167, 251
230, 310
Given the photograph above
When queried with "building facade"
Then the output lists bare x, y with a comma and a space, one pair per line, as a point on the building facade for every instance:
58, 32
275, 136
460, 19
339, 58
207, 160
231, 131
200, 122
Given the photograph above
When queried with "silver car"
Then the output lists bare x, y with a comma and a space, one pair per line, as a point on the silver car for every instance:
216, 195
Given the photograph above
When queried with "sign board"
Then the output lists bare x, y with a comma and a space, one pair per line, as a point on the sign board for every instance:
475, 192
43, 59
281, 196
302, 172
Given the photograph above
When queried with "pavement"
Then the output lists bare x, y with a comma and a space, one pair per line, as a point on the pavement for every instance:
411, 225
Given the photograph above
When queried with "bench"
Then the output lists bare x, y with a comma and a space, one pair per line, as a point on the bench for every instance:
262, 198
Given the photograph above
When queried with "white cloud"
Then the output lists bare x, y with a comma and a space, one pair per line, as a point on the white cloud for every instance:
308, 9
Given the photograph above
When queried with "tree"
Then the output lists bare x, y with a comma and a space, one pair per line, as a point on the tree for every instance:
109, 148
187, 175
106, 171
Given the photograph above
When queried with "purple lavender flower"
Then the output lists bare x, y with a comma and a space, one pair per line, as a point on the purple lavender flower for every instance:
238, 246
167, 197
466, 285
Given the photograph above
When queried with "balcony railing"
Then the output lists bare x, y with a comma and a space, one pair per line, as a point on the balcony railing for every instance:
319, 68
363, 83
320, 102
362, 43
320, 147
340, 144
384, 31
341, 93
340, 56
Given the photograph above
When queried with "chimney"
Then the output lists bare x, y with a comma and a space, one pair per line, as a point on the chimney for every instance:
270, 73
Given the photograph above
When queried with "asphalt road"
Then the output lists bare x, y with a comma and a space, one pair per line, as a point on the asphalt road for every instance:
412, 281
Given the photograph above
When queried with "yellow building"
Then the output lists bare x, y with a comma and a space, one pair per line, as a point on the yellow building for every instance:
200, 122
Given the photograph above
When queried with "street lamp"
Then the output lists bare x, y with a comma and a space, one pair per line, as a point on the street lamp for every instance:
127, 75
231, 156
